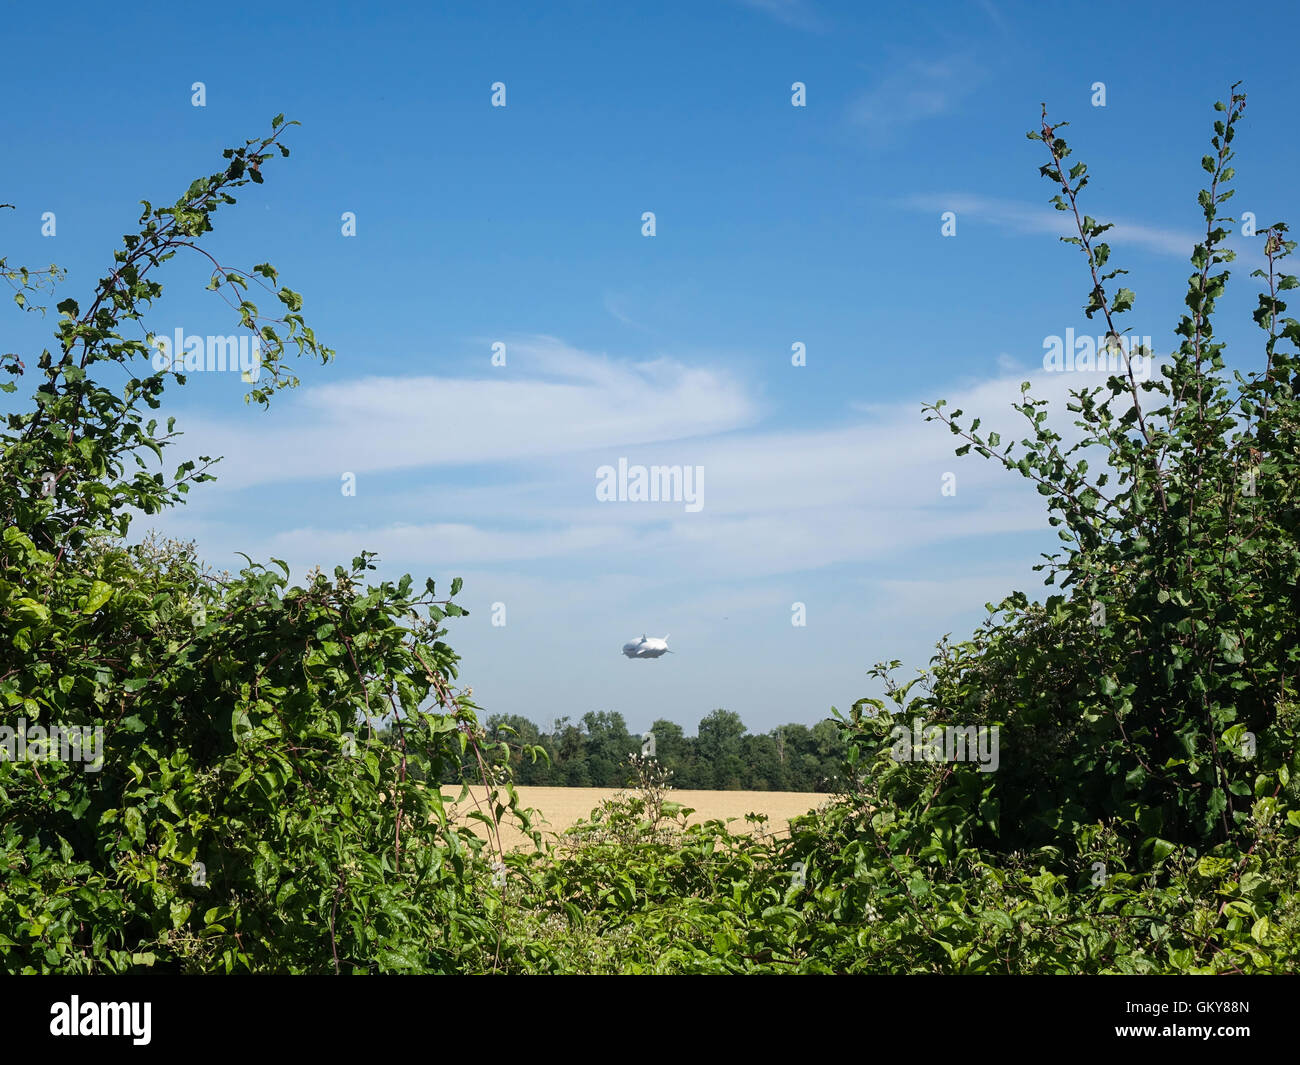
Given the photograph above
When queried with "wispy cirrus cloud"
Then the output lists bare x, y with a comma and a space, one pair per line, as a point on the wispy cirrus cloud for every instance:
918, 90
616, 303
797, 13
995, 16
1018, 217
777, 502
550, 399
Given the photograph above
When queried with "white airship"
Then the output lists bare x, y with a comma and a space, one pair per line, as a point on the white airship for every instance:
647, 647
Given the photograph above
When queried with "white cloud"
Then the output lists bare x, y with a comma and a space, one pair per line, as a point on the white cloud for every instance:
548, 400
995, 16
774, 502
452, 544
1031, 218
918, 90
937, 601
614, 303
796, 13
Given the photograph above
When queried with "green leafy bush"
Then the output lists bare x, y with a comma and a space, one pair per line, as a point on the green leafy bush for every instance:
244, 815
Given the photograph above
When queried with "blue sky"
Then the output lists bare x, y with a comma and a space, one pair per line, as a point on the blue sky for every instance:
522, 225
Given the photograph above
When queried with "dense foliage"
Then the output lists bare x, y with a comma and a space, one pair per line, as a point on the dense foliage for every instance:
244, 814
1142, 816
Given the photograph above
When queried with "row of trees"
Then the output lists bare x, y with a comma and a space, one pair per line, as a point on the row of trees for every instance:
724, 755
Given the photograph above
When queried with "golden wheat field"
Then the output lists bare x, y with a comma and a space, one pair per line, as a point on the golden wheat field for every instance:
563, 807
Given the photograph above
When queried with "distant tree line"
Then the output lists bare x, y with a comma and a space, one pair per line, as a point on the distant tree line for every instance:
723, 755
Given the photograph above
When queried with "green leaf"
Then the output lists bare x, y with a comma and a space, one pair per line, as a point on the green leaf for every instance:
1161, 849
99, 594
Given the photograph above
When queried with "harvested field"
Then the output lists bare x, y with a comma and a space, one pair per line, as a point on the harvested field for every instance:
563, 807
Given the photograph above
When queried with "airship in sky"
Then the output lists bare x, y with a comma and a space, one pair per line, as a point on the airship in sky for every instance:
647, 647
